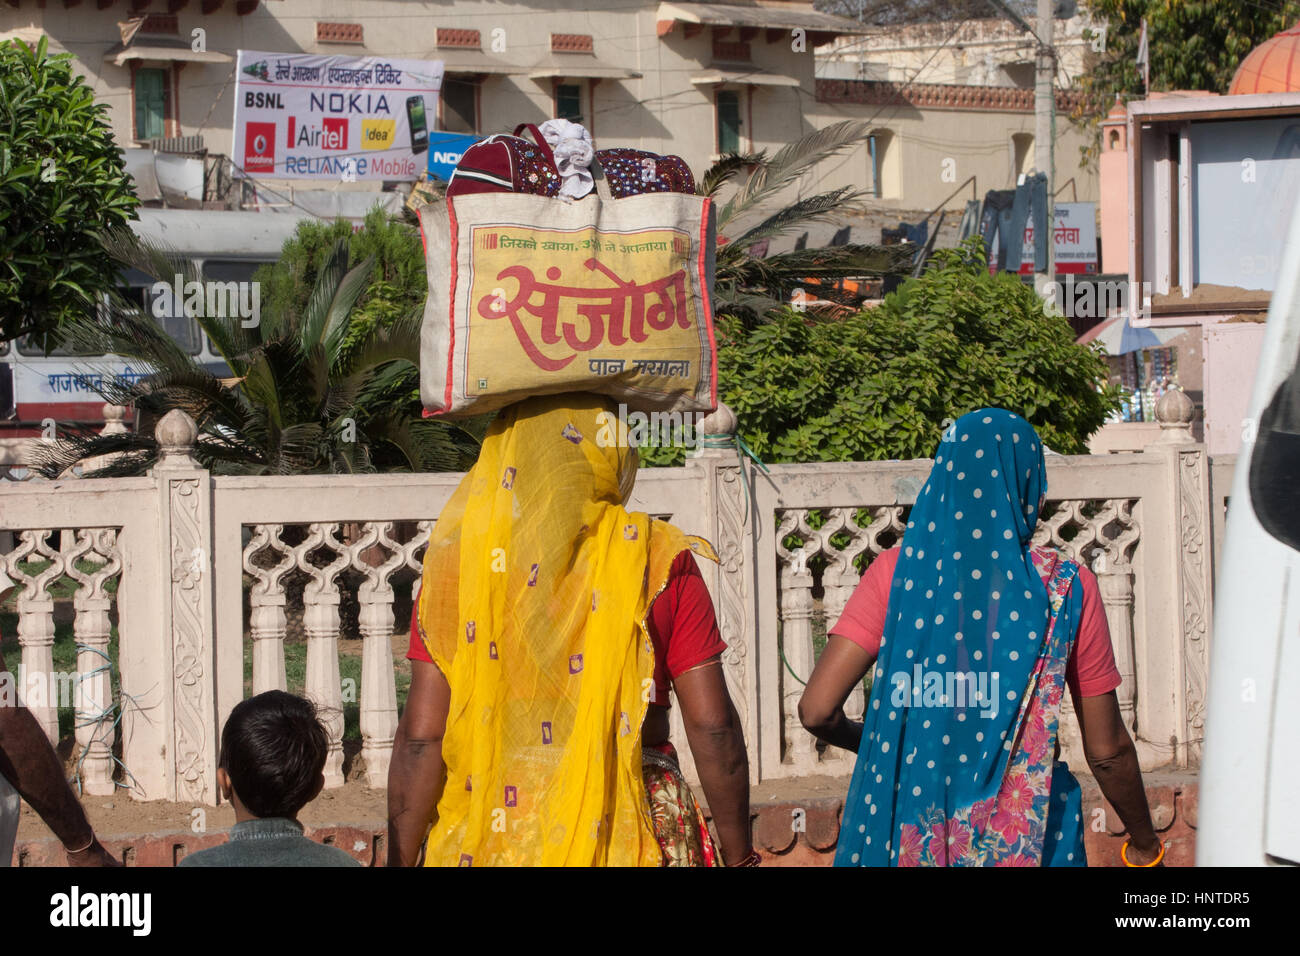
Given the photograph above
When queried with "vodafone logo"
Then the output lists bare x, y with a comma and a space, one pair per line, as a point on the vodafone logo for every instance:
259, 147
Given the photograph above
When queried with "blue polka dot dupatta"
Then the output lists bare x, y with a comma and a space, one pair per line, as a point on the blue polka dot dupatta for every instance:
957, 765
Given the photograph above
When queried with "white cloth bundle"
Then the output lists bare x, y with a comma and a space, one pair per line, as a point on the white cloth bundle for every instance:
574, 151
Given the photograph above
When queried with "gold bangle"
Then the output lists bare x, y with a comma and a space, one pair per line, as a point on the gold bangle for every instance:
1123, 855
752, 860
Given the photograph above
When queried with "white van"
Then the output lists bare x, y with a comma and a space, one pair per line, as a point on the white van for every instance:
1249, 808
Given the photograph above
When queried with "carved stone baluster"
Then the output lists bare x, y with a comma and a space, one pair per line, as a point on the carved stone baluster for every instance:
378, 678
796, 638
94, 698
320, 616
1115, 579
838, 582
36, 628
266, 618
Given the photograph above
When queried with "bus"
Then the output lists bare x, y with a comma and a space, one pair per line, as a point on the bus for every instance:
37, 388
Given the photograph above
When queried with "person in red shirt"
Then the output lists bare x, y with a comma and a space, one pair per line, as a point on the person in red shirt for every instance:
972, 633
541, 477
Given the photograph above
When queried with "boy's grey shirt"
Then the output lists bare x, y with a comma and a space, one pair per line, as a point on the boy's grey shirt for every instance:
273, 841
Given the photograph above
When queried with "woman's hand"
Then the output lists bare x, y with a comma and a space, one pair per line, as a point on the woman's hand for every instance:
93, 855
841, 668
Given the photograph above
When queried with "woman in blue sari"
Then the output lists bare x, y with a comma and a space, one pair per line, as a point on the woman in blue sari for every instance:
957, 751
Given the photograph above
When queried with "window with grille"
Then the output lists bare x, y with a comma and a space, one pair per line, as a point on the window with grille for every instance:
728, 107
458, 101
150, 103
568, 102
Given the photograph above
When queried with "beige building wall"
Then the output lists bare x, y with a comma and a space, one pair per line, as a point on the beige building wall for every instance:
929, 149
661, 110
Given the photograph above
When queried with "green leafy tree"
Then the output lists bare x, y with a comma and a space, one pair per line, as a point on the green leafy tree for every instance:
881, 383
1192, 45
62, 184
307, 391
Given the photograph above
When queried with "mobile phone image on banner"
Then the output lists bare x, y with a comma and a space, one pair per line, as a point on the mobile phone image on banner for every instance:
419, 129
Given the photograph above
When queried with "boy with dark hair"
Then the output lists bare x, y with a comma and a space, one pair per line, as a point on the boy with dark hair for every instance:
273, 751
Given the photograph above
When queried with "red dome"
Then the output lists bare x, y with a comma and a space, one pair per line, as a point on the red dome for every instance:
1272, 67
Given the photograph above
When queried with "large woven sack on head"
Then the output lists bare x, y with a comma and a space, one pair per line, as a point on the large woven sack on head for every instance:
531, 295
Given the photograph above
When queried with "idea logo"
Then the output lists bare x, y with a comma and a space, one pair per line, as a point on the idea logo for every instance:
377, 133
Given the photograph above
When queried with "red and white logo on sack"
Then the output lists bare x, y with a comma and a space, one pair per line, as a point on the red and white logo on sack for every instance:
259, 147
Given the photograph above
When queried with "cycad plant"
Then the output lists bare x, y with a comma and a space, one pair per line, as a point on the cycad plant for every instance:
308, 389
748, 286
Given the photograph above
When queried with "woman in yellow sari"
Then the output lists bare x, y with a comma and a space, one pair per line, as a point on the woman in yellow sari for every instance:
522, 738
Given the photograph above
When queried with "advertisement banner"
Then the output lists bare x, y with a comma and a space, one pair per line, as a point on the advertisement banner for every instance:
445, 151
1075, 236
349, 119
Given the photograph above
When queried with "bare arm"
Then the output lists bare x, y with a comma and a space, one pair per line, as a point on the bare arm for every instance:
841, 667
32, 767
1113, 760
417, 775
718, 746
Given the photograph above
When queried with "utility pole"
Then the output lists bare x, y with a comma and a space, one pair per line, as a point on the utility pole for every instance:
1045, 123
1044, 115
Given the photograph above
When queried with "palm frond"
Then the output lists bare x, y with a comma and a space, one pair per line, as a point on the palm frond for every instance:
791, 162
823, 207
155, 258
840, 261
317, 313
725, 170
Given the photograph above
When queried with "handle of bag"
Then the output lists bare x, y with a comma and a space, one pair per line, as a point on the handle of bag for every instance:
597, 174
537, 138
602, 184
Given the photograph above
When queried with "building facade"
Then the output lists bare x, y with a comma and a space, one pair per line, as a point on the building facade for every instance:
694, 79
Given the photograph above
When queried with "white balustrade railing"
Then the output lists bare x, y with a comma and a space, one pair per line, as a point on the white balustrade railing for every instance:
188, 551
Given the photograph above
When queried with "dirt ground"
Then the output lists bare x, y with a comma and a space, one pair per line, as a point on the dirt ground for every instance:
353, 803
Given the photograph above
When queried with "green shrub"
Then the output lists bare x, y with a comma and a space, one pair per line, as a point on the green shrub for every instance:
880, 384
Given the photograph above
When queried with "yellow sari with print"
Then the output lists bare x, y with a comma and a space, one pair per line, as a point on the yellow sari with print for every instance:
536, 588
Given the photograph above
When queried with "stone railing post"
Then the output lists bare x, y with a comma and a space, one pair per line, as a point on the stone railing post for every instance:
320, 618
729, 525
267, 621
185, 601
375, 618
796, 582
36, 627
94, 698
839, 581
1177, 565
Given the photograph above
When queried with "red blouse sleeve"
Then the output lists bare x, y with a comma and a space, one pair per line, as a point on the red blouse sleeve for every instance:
1091, 670
683, 619
417, 651
863, 620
